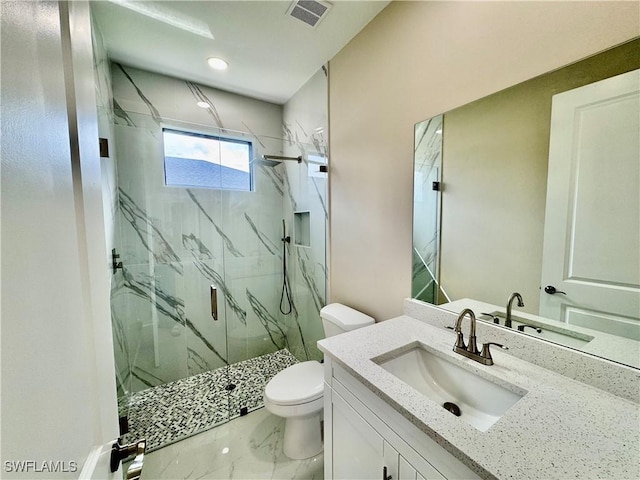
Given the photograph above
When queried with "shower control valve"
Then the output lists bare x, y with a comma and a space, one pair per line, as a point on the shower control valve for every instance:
115, 264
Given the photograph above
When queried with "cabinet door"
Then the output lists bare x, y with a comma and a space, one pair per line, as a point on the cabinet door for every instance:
357, 447
406, 471
430, 460
391, 458
398, 468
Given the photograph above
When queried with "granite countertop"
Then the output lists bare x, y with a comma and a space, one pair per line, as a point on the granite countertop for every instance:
559, 429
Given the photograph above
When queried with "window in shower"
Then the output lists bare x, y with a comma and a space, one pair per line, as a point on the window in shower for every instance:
198, 160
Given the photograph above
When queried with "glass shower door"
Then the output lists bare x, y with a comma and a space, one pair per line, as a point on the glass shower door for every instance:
171, 352
204, 245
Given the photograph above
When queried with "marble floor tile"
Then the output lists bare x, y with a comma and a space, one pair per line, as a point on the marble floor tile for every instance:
246, 448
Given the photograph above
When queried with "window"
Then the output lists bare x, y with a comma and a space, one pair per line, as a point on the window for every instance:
197, 160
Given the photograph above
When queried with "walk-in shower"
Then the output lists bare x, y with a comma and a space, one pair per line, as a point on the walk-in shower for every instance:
211, 301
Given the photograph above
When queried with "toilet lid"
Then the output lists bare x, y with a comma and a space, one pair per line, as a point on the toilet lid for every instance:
299, 383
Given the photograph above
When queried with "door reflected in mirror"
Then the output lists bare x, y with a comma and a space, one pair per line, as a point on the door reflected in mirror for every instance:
540, 188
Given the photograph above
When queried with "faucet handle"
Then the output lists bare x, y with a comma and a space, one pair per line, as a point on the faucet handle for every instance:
495, 318
460, 340
486, 353
524, 325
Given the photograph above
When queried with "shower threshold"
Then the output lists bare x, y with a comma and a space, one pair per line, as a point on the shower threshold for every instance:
171, 412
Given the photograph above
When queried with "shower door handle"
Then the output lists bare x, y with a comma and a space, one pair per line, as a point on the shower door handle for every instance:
135, 469
214, 302
120, 453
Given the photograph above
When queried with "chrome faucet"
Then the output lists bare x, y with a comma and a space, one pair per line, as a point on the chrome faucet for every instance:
471, 350
514, 295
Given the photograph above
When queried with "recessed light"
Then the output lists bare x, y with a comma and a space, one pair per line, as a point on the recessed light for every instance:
217, 63
203, 104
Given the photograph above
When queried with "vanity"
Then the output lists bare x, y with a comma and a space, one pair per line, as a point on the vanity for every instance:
388, 390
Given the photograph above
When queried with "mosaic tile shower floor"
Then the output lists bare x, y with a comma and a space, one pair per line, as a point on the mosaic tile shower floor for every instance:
176, 410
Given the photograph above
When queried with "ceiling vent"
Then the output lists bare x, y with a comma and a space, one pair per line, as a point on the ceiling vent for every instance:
309, 11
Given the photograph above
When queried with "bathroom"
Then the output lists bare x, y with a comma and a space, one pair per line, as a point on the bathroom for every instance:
430, 58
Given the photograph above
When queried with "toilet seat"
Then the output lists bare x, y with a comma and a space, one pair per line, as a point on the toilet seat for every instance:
298, 384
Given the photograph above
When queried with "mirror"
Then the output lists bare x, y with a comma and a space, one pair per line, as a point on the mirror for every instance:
500, 162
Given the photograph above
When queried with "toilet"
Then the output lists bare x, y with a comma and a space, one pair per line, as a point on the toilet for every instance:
296, 393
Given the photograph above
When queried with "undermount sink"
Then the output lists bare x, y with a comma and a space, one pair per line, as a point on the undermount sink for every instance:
552, 333
476, 400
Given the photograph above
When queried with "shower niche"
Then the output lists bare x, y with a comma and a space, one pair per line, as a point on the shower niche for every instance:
302, 229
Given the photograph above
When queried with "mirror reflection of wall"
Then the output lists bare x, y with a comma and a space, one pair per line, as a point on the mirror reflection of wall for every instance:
494, 173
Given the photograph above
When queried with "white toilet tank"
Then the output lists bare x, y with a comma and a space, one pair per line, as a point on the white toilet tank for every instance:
338, 318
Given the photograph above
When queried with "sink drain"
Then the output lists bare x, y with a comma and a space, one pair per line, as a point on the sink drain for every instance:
453, 408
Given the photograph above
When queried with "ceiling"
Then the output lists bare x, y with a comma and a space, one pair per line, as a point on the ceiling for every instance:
270, 54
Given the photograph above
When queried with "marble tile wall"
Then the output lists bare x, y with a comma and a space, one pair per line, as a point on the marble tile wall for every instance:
305, 131
426, 224
177, 242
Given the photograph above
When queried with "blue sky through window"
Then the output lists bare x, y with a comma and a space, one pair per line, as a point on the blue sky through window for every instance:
202, 161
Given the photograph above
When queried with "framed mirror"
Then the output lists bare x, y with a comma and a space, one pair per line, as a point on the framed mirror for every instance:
539, 195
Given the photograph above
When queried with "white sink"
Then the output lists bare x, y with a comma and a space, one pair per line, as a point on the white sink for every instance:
481, 402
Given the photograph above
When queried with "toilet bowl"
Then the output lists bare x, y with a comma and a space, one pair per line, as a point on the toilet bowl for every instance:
296, 393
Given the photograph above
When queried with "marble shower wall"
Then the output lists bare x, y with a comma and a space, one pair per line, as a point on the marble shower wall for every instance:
305, 131
426, 222
176, 242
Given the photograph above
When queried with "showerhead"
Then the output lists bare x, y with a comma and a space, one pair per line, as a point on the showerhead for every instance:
273, 160
265, 162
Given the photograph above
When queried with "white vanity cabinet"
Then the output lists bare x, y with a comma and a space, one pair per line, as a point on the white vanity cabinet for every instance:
357, 447
364, 438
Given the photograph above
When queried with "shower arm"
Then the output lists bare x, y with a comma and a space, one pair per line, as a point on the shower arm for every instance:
279, 157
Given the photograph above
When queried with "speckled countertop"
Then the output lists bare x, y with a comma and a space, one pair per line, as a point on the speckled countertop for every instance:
560, 429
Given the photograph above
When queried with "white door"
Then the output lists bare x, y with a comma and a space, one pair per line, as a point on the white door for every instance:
59, 410
592, 221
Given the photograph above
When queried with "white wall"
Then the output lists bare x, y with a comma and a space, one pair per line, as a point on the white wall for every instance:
58, 390
413, 61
